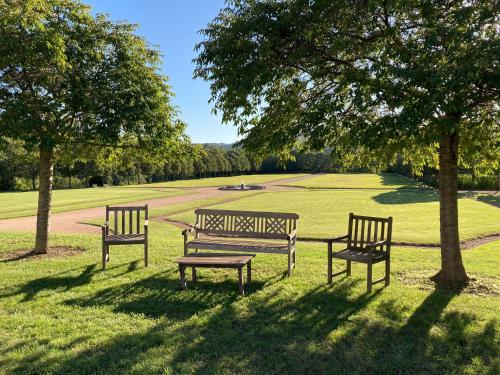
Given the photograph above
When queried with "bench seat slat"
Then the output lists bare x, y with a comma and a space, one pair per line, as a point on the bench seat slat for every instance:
360, 256
114, 239
237, 245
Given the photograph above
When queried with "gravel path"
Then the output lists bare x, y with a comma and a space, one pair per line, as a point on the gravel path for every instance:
73, 221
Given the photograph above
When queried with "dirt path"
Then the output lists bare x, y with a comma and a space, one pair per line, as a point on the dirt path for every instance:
73, 221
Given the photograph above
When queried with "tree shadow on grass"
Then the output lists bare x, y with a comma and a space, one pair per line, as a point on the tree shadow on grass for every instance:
392, 179
406, 196
277, 337
62, 281
493, 200
327, 330
159, 296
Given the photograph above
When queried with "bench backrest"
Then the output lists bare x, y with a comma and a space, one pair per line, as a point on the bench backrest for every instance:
126, 218
251, 224
367, 229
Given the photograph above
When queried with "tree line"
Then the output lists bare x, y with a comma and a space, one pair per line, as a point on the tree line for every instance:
80, 167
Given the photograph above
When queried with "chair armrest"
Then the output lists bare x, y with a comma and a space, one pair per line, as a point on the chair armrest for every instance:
376, 244
336, 239
292, 234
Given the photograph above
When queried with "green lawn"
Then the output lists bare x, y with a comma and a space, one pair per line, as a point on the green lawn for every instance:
19, 204
324, 213
356, 181
65, 316
233, 180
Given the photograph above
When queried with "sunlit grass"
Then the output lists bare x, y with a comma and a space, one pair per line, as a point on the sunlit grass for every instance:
65, 316
356, 181
232, 180
324, 213
17, 204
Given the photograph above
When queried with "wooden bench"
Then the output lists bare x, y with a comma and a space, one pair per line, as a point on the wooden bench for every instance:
368, 241
130, 234
244, 231
215, 261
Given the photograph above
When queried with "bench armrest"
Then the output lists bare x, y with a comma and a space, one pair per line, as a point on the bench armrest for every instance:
146, 223
292, 234
337, 239
193, 228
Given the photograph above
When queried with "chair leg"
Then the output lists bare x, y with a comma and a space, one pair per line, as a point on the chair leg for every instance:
289, 263
330, 278
369, 278
348, 268
104, 253
387, 271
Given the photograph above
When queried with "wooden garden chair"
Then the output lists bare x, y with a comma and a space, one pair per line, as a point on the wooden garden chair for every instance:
130, 218
368, 241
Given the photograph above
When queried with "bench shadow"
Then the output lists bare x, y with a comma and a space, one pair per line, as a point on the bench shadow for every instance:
160, 296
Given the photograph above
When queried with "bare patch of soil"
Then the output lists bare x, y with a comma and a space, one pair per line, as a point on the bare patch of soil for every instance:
54, 252
477, 285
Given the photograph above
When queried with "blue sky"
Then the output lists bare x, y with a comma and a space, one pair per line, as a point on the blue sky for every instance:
173, 26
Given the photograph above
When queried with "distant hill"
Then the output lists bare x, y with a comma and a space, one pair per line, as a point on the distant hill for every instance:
225, 146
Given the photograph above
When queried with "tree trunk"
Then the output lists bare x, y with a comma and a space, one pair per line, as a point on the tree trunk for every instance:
452, 273
44, 200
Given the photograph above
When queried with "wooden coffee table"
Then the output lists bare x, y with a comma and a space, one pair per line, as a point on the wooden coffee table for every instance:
204, 260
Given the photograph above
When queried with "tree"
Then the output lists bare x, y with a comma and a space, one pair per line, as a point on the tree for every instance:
68, 77
361, 73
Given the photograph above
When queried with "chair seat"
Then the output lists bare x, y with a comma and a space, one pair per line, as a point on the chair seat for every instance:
226, 243
360, 256
125, 239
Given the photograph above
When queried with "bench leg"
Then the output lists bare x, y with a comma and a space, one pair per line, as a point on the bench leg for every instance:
182, 272
194, 275
240, 280
369, 278
146, 260
348, 268
249, 272
294, 257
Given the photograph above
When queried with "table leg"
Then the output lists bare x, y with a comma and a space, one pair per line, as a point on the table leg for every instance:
249, 272
240, 280
182, 271
194, 275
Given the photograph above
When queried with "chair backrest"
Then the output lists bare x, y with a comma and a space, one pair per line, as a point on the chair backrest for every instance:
251, 224
367, 229
126, 218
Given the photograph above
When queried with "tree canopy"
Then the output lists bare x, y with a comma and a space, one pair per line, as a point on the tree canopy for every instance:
365, 72
69, 78
386, 76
